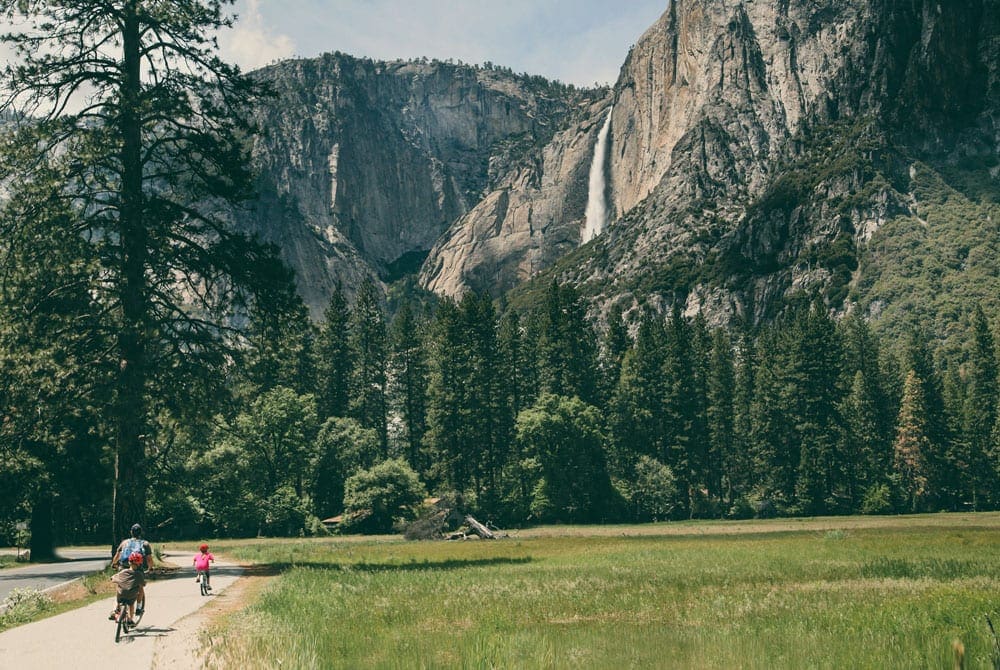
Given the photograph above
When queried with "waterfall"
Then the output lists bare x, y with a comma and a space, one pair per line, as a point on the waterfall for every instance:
597, 211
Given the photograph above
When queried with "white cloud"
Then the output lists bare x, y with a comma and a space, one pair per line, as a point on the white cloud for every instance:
250, 43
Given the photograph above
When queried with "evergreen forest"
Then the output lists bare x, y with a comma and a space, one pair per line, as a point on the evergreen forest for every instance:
158, 366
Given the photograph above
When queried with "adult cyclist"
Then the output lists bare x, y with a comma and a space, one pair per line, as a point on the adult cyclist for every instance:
126, 548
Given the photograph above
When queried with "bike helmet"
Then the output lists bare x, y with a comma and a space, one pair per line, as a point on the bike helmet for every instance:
203, 548
136, 558
136, 530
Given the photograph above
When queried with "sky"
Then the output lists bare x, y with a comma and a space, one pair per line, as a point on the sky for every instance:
580, 42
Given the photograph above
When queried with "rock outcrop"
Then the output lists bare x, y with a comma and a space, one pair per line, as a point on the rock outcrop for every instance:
364, 165
749, 139
533, 218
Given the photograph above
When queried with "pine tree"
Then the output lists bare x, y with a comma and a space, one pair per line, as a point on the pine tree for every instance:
980, 412
726, 460
408, 387
813, 385
868, 413
774, 445
491, 417
445, 438
470, 423
159, 130
740, 469
370, 352
635, 416
944, 457
567, 354
517, 363
333, 358
616, 343
911, 444
683, 440
282, 349
708, 468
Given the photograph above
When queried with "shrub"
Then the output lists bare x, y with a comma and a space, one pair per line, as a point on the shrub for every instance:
377, 499
741, 508
877, 500
287, 514
654, 494
21, 606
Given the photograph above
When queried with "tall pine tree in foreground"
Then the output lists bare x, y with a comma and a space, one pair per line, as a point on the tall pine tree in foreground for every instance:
129, 103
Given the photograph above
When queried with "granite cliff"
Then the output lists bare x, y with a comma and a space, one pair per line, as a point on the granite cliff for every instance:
756, 149
365, 165
759, 149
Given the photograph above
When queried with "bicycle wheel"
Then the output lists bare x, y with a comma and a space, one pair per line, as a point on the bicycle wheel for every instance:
121, 623
203, 583
140, 609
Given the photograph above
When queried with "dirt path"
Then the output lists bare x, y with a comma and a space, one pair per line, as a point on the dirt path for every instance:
84, 638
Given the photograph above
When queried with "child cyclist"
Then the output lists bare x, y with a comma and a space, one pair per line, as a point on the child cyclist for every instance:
128, 585
201, 561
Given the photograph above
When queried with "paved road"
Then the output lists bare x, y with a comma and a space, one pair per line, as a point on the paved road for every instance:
84, 638
77, 563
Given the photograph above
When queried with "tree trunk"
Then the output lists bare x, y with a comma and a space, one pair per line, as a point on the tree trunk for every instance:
42, 544
479, 529
130, 399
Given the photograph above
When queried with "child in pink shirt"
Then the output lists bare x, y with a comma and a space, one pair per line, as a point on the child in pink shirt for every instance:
201, 561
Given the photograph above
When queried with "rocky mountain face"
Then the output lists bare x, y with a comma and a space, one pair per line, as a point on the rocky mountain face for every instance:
365, 166
757, 149
533, 217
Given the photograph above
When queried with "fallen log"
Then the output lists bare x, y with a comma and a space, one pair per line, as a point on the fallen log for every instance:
479, 529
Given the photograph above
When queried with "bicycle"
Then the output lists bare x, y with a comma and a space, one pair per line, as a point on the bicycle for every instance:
203, 582
122, 625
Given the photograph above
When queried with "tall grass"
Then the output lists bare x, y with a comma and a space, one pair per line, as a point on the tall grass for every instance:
892, 595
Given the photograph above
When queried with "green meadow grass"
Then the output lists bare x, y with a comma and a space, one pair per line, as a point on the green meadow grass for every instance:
882, 593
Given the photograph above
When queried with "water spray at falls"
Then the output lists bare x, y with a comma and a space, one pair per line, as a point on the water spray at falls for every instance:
597, 211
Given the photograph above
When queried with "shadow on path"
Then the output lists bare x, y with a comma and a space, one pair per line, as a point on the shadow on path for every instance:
162, 575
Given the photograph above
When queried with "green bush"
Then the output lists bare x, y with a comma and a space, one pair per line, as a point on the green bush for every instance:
877, 500
742, 508
654, 494
287, 514
22, 605
378, 499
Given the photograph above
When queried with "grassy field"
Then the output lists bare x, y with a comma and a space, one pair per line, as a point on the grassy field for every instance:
891, 592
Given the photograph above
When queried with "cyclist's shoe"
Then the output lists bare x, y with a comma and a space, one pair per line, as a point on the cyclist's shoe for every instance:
208, 586
139, 610
111, 617
131, 622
